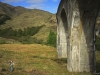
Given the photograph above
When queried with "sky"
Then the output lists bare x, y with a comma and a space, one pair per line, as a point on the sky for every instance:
47, 5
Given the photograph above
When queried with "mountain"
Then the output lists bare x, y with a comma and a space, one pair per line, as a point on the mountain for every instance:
20, 18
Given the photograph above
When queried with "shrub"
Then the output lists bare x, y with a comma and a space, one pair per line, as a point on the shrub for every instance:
51, 40
23, 36
2, 42
4, 18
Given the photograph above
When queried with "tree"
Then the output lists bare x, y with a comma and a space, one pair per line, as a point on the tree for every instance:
51, 40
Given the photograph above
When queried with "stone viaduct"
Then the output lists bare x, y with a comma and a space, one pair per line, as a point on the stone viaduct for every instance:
76, 33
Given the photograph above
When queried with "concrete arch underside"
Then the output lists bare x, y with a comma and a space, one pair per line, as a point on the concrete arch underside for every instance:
62, 35
76, 33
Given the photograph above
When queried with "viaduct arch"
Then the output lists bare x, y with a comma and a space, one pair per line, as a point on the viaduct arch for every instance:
76, 33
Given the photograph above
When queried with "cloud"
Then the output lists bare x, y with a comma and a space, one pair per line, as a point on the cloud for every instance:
10, 1
36, 4
36, 1
54, 0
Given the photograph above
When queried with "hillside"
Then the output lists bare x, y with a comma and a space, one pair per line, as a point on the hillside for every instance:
35, 59
20, 18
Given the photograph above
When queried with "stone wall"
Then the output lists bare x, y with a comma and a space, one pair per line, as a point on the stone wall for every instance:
76, 33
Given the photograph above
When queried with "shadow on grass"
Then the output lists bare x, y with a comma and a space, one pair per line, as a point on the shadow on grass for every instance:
39, 57
1, 55
60, 60
38, 72
57, 60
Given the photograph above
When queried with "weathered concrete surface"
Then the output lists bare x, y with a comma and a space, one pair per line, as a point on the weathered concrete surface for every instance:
62, 33
76, 33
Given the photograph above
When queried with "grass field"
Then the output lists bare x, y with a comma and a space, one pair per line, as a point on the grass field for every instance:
34, 59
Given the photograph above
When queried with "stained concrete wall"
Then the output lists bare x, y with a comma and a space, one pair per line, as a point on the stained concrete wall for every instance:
62, 35
76, 33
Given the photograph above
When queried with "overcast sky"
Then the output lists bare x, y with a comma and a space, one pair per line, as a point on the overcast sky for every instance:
47, 5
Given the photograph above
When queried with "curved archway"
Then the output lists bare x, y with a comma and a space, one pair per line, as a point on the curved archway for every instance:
63, 33
64, 20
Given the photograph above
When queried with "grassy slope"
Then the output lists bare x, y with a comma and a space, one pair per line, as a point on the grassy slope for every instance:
34, 59
33, 18
9, 41
22, 18
28, 19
